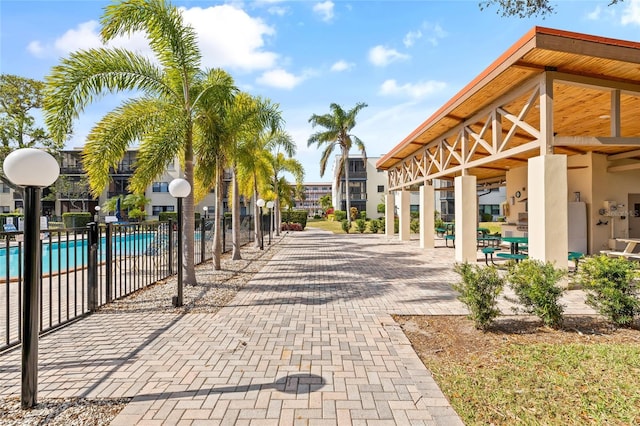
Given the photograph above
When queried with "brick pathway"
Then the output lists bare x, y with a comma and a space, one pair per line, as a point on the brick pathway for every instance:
309, 340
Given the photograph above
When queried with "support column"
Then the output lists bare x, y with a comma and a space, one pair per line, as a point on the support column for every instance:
389, 209
427, 221
548, 204
405, 216
466, 221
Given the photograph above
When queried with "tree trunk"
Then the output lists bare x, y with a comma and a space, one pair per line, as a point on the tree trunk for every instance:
217, 237
188, 230
256, 214
276, 206
235, 216
345, 154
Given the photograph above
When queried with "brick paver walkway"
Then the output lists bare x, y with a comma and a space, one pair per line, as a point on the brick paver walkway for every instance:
309, 340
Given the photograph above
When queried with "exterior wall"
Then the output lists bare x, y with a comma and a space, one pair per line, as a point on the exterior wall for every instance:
313, 192
376, 188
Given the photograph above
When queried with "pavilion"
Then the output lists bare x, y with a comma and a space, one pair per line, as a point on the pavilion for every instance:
556, 119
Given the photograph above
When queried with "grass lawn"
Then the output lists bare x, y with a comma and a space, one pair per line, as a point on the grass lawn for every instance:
331, 226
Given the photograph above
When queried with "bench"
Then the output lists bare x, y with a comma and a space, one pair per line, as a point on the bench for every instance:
611, 253
488, 254
513, 256
451, 238
489, 240
441, 231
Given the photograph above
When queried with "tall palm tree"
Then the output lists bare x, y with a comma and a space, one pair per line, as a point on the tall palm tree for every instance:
161, 119
337, 133
283, 164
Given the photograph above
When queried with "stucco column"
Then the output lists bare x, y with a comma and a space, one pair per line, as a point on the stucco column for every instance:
466, 222
389, 208
427, 222
404, 214
548, 204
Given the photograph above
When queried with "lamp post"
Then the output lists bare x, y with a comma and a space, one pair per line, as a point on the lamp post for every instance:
260, 203
270, 207
206, 210
96, 217
33, 170
179, 188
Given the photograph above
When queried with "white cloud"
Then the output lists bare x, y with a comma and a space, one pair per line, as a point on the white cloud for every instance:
325, 10
595, 14
380, 56
228, 38
411, 38
280, 79
415, 91
631, 13
342, 65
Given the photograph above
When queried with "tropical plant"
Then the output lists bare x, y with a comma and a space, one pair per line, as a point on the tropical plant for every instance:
524, 9
374, 226
337, 125
326, 202
135, 201
346, 225
535, 285
611, 286
361, 225
161, 119
353, 213
479, 290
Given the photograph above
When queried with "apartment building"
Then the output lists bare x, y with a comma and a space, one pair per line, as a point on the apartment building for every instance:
310, 202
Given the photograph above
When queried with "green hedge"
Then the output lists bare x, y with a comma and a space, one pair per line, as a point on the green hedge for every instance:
76, 219
165, 216
295, 216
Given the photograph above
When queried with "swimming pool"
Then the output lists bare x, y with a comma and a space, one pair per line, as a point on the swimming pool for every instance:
65, 255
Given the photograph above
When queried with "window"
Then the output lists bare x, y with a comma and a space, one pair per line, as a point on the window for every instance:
160, 187
5, 209
156, 210
4, 187
380, 188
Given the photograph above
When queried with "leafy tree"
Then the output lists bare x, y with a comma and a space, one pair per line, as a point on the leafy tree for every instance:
524, 8
161, 120
326, 202
135, 201
337, 133
19, 98
73, 188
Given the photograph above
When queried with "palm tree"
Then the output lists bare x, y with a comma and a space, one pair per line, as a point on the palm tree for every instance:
161, 120
281, 164
338, 125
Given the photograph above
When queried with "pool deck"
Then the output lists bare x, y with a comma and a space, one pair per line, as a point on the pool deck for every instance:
309, 340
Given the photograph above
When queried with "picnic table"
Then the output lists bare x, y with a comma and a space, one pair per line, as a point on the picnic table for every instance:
515, 253
628, 251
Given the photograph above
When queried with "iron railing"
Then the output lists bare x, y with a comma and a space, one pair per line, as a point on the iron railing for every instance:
85, 268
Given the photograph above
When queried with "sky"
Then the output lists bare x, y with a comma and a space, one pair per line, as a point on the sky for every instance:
404, 59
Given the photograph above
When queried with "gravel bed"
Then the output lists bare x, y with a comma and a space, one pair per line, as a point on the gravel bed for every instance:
213, 291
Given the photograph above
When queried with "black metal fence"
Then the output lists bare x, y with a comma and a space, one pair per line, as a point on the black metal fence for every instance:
85, 268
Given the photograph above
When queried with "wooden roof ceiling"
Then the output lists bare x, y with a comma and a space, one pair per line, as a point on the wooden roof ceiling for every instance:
579, 110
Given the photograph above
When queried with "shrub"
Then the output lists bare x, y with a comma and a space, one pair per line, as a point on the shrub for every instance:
382, 222
479, 290
374, 225
353, 213
487, 217
331, 217
363, 215
295, 216
291, 227
136, 214
381, 207
414, 226
611, 288
166, 216
396, 225
317, 216
340, 215
534, 284
361, 225
345, 225
76, 219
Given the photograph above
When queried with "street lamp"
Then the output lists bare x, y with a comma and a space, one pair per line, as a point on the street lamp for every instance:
270, 207
260, 203
179, 188
96, 217
206, 210
32, 169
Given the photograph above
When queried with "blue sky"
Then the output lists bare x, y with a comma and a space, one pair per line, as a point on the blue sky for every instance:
403, 58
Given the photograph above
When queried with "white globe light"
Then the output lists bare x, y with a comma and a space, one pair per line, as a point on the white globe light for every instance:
179, 188
97, 208
31, 167
269, 204
260, 202
205, 208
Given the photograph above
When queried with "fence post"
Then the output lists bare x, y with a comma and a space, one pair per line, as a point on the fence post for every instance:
109, 263
170, 247
224, 234
203, 246
92, 266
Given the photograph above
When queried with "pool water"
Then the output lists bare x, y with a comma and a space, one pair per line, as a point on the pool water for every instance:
71, 254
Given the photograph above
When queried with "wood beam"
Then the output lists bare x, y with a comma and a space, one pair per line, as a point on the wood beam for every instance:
623, 155
594, 141
624, 168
